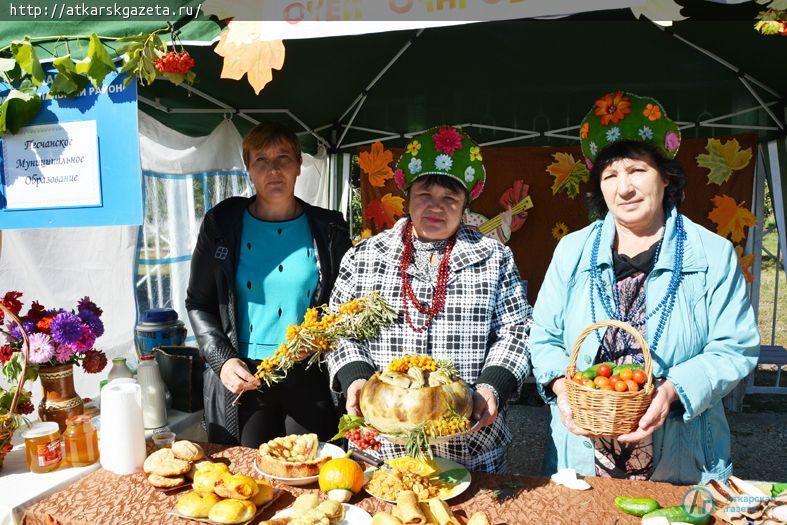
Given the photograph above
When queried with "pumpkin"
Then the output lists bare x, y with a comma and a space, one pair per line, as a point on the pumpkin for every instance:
340, 478
393, 409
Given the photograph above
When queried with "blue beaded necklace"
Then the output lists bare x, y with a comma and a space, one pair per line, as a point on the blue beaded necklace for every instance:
611, 306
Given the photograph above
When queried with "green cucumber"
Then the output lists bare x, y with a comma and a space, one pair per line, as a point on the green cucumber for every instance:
678, 513
778, 488
590, 373
636, 506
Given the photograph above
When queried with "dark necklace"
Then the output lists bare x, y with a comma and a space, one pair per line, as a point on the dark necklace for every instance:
438, 301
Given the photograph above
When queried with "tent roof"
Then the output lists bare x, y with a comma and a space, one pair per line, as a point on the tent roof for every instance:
526, 74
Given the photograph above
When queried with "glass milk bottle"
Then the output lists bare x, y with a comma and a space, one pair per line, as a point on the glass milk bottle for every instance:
154, 409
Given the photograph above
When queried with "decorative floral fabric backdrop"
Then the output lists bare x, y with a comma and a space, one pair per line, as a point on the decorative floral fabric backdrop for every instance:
718, 195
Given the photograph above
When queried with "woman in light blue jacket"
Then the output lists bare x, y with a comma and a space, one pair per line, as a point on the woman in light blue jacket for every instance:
676, 282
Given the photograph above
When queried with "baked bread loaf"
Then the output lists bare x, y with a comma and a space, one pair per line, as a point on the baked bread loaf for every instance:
293, 456
264, 493
232, 511
163, 482
196, 505
207, 475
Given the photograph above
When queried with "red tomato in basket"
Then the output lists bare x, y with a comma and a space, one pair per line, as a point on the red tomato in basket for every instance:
604, 371
620, 386
578, 377
614, 379
639, 377
631, 385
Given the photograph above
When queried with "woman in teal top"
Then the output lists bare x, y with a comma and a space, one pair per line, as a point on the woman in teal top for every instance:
259, 263
677, 283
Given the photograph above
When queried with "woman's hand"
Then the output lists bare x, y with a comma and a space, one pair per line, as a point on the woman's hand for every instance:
353, 406
657, 413
484, 407
236, 378
566, 415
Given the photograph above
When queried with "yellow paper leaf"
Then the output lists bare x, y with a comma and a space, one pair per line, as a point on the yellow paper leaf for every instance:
731, 217
375, 164
254, 57
568, 173
722, 159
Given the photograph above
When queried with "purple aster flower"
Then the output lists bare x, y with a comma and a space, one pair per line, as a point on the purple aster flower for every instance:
91, 319
66, 328
64, 353
85, 304
13, 331
41, 349
86, 340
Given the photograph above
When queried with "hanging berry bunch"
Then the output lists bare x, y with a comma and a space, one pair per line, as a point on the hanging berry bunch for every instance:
175, 63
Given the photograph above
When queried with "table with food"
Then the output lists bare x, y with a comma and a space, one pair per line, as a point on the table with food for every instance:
298, 480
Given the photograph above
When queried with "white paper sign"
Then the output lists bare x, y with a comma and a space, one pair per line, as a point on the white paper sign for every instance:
52, 166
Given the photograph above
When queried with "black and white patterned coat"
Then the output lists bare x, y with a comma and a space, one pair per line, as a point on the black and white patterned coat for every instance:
482, 329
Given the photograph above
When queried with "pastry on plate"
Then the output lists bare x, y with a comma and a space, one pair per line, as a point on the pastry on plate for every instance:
264, 494
187, 451
196, 505
232, 511
164, 463
207, 475
235, 486
163, 482
293, 456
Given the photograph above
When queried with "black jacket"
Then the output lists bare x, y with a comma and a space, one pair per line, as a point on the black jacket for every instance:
210, 299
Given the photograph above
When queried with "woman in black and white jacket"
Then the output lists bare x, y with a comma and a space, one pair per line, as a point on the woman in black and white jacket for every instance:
477, 312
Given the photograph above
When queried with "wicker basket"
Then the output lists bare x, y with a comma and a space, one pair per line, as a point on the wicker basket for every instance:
9, 425
608, 412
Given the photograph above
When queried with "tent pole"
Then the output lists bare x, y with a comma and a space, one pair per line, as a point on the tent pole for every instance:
370, 141
360, 99
760, 101
720, 60
347, 127
219, 103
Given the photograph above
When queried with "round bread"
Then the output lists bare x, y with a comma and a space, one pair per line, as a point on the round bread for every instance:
264, 494
232, 511
206, 476
235, 486
164, 463
196, 505
187, 451
164, 482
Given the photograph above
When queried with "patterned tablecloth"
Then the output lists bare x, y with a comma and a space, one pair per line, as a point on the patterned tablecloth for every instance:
103, 498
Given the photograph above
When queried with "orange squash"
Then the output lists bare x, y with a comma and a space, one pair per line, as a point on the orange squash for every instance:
341, 474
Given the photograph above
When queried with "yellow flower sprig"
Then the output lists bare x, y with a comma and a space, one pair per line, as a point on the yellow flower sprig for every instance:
448, 426
404, 363
359, 319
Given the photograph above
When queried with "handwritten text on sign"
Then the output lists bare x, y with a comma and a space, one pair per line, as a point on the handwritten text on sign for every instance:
52, 166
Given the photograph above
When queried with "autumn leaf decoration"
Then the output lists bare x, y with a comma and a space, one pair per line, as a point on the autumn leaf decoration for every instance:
384, 211
246, 54
731, 217
375, 164
745, 262
723, 158
568, 173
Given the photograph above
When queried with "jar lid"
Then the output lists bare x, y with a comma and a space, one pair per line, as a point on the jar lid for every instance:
42, 428
159, 315
81, 419
147, 357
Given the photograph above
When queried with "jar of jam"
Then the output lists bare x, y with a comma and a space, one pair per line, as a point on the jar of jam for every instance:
81, 441
42, 447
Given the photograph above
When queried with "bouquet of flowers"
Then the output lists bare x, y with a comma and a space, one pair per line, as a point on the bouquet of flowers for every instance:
56, 337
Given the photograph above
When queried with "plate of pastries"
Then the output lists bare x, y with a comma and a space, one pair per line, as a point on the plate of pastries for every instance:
309, 510
221, 497
295, 459
173, 468
408, 510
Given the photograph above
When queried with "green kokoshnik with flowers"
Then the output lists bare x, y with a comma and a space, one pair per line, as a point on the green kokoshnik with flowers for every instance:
442, 150
624, 116
620, 116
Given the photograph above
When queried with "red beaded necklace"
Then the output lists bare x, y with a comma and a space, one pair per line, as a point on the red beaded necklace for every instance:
438, 301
